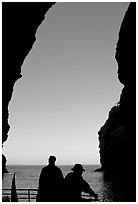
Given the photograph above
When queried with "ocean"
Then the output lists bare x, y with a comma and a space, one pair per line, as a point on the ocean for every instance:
27, 176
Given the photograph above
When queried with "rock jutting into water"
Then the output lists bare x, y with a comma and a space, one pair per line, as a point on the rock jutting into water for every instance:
20, 21
117, 137
4, 170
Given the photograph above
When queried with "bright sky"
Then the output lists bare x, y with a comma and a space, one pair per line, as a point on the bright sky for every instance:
68, 87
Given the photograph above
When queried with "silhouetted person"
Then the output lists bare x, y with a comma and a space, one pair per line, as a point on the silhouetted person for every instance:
75, 185
50, 183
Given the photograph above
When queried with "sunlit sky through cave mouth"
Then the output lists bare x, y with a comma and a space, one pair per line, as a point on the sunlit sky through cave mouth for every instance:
69, 84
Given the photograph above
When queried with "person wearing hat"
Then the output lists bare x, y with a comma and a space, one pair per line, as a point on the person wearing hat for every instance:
50, 183
75, 185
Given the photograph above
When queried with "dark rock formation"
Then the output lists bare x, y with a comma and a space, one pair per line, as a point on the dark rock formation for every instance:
19, 24
4, 170
118, 135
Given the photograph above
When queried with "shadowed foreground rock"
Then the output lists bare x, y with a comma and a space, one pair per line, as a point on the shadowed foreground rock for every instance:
4, 170
118, 135
19, 24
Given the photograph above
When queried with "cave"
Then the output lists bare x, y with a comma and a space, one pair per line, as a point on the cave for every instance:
117, 138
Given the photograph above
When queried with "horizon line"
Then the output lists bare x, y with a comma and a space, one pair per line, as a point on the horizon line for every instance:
46, 164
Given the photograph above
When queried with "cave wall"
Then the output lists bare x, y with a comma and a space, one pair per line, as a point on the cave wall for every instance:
117, 137
20, 21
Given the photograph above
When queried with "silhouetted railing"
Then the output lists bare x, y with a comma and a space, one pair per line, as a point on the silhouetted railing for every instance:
28, 195
23, 194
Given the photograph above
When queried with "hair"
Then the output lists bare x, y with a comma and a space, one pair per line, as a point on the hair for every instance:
52, 159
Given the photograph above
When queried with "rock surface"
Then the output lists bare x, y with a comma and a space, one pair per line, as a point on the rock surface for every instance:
117, 137
4, 169
20, 21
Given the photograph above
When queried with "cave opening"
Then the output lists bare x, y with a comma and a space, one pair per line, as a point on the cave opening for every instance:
69, 83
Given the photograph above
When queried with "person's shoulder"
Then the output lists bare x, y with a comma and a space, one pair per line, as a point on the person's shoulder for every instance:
70, 174
57, 168
44, 168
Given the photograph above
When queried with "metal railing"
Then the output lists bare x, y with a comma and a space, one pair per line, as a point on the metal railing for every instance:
29, 195
24, 194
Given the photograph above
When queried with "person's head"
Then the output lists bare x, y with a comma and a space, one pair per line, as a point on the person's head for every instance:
52, 160
78, 169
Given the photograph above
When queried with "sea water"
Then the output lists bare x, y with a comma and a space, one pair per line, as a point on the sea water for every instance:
27, 176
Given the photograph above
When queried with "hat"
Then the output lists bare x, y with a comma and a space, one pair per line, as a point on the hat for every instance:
78, 167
